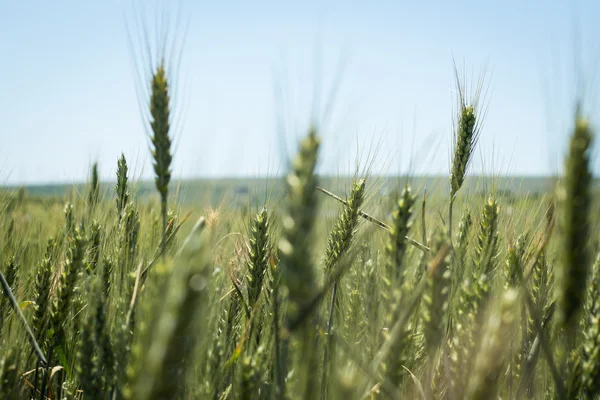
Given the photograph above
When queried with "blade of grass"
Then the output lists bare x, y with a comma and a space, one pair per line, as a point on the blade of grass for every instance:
15, 305
560, 388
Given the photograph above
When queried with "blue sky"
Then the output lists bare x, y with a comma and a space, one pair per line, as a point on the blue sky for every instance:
68, 98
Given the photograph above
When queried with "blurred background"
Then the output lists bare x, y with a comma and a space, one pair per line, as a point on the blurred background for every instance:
378, 79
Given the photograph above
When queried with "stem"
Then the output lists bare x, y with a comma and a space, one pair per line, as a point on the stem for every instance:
163, 243
429, 375
279, 378
17, 309
452, 197
526, 382
423, 226
136, 287
510, 369
329, 342
159, 252
396, 333
308, 359
560, 388
46, 375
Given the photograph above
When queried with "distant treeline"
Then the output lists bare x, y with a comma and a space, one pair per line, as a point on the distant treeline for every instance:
245, 191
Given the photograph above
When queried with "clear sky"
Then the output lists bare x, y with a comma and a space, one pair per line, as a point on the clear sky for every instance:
68, 98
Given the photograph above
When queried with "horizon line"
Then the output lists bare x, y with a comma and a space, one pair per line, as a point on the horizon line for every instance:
280, 176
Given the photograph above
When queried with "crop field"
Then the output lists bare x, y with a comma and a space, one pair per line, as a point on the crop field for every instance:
303, 286
280, 290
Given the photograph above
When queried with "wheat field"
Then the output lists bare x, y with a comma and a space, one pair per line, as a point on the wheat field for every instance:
313, 290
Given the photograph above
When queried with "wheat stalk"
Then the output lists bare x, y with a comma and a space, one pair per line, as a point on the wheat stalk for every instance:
161, 142
338, 243
489, 360
73, 267
435, 301
574, 212
177, 326
466, 135
297, 270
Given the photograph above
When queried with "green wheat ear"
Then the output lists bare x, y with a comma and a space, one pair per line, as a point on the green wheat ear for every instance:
339, 241
130, 231
487, 240
297, 272
466, 138
297, 269
461, 247
396, 247
341, 236
393, 288
590, 374
42, 286
394, 277
94, 193
259, 251
574, 198
466, 135
69, 219
122, 192
94, 239
161, 142
73, 268
515, 262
